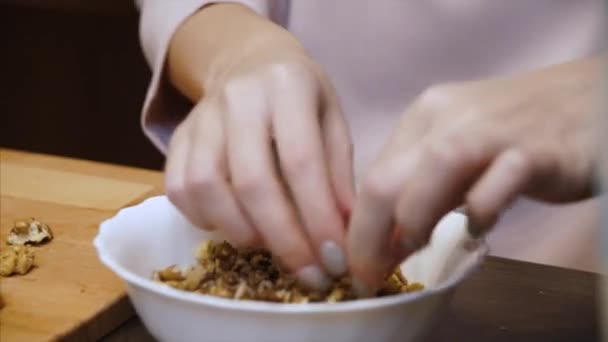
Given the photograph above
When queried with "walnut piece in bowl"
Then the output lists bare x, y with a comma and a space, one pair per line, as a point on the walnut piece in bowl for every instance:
29, 231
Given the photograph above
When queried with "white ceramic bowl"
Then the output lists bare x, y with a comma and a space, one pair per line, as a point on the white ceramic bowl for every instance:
154, 234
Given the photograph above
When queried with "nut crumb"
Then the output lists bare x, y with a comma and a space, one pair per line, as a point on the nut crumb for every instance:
16, 260
251, 273
29, 231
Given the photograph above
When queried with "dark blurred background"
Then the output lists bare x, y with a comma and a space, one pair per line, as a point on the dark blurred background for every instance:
73, 80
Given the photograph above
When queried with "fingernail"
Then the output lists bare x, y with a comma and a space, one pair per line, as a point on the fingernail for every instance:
474, 228
313, 277
333, 258
361, 289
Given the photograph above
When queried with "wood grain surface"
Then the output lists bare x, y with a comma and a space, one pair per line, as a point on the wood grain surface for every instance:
68, 188
69, 295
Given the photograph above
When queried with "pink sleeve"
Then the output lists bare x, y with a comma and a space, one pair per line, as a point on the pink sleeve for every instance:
164, 107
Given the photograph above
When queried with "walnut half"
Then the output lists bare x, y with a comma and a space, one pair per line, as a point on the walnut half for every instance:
16, 260
29, 231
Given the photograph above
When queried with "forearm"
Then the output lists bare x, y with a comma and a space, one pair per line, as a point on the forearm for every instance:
208, 43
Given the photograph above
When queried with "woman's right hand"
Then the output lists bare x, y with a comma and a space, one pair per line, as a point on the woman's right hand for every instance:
265, 155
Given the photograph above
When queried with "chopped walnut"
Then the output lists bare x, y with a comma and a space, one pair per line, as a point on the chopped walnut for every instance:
252, 273
29, 231
194, 276
337, 295
16, 260
171, 273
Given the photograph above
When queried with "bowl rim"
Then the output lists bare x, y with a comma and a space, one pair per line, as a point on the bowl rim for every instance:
190, 298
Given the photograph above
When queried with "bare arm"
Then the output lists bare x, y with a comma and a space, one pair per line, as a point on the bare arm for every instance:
205, 46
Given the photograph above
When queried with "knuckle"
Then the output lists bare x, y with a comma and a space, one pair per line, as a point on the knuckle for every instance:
297, 163
460, 148
284, 71
239, 88
378, 187
436, 97
202, 178
289, 74
174, 189
442, 154
235, 87
248, 185
455, 150
517, 162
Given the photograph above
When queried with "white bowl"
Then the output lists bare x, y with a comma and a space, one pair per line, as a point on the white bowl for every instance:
154, 234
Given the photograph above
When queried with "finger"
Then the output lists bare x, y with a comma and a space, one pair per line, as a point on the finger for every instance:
446, 170
339, 156
175, 170
372, 222
498, 187
206, 184
259, 191
297, 131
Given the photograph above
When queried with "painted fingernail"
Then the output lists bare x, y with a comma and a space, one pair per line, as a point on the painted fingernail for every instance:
333, 258
313, 276
361, 289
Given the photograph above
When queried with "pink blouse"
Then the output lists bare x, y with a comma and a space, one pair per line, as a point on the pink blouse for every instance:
381, 54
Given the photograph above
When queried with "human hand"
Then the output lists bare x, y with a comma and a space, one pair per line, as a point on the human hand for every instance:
265, 156
478, 144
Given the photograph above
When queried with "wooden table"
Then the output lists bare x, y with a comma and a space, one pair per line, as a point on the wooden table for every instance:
506, 300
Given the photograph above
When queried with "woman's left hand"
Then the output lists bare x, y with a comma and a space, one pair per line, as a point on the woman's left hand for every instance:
478, 144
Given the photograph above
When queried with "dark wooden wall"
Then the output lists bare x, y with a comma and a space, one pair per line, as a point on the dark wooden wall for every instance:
73, 80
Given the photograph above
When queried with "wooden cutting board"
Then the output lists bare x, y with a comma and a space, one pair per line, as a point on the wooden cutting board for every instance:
69, 295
